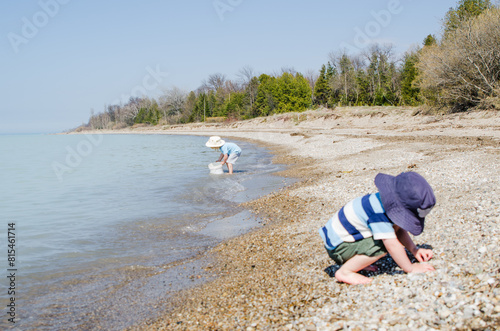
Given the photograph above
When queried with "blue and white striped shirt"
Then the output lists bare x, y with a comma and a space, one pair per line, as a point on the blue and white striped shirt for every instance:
361, 218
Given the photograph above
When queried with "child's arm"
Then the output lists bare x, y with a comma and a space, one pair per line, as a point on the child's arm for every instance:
421, 254
398, 253
220, 157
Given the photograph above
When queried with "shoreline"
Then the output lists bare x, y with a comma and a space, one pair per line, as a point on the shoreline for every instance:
274, 277
100, 304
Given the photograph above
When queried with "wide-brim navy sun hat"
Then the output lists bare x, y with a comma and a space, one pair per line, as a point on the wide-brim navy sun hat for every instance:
407, 198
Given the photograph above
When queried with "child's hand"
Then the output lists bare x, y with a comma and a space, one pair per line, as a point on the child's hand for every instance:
423, 255
421, 267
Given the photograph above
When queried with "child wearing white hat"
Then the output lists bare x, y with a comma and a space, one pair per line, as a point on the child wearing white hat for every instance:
230, 152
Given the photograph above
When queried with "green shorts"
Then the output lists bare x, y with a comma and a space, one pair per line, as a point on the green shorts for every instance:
347, 250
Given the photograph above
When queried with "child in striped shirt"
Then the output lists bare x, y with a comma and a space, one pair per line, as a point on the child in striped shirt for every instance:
369, 227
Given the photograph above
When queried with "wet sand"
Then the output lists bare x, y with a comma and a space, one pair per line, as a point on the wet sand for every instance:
278, 277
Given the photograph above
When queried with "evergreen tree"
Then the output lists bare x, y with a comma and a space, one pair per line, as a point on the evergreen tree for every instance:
410, 94
282, 94
220, 97
211, 104
392, 85
198, 113
321, 92
374, 80
293, 93
382, 77
188, 108
251, 91
234, 106
344, 83
330, 71
465, 10
149, 113
265, 102
363, 88
330, 76
430, 40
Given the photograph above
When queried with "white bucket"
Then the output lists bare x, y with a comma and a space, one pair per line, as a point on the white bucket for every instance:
215, 168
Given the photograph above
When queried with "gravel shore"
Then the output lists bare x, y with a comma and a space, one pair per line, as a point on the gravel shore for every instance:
279, 277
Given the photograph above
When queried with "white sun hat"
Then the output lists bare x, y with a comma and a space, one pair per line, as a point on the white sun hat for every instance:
215, 141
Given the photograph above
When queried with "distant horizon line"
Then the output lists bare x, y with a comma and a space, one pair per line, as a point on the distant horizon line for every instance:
25, 133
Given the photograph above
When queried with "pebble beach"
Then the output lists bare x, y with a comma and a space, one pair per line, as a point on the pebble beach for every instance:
279, 277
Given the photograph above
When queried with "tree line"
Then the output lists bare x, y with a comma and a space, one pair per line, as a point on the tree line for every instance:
455, 72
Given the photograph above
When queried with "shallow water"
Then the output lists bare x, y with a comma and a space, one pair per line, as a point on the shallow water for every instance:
107, 226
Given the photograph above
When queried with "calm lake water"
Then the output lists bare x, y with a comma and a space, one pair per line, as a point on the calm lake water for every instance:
107, 226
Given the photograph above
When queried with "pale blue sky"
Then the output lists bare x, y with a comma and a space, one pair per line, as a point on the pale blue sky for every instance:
62, 58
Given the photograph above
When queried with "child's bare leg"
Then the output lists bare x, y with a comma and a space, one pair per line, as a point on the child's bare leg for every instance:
348, 273
230, 167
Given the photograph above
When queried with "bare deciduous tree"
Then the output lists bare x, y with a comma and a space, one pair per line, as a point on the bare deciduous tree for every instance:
172, 102
465, 68
285, 69
100, 121
311, 76
214, 82
245, 75
344, 83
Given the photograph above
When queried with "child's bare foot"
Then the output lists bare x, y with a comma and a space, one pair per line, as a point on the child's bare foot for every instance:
372, 268
352, 278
